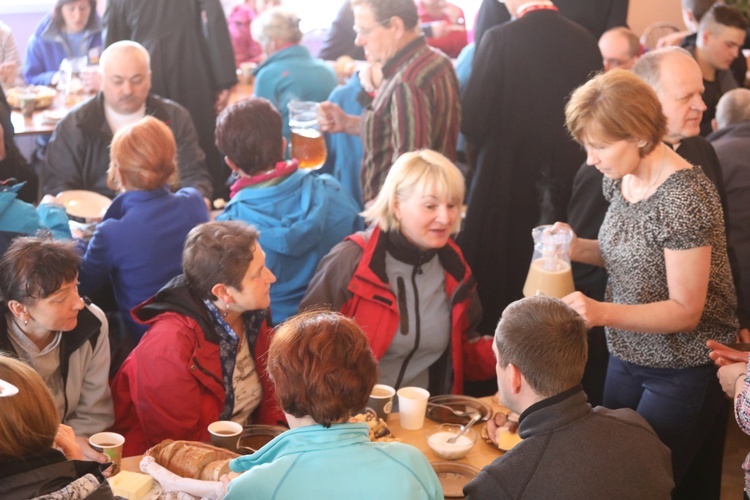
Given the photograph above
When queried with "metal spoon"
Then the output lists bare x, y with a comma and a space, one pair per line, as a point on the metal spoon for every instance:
474, 419
458, 413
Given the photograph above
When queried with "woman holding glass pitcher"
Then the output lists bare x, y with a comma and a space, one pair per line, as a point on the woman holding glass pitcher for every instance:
670, 288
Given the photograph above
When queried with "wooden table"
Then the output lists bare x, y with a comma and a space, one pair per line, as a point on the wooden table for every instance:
35, 124
480, 455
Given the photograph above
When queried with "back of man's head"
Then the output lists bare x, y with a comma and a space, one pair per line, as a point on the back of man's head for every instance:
721, 16
733, 108
546, 340
384, 10
649, 66
697, 7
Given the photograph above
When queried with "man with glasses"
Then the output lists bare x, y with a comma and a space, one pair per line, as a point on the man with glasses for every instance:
416, 105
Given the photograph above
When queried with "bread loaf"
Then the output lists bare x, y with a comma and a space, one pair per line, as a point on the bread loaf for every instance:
191, 459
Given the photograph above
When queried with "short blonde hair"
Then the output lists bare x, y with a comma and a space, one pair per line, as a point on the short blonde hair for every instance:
145, 153
277, 24
28, 420
419, 170
616, 106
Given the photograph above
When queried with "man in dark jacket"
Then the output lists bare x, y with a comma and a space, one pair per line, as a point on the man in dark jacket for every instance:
569, 450
732, 143
78, 154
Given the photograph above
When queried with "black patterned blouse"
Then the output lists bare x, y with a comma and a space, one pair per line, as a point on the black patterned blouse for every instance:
684, 212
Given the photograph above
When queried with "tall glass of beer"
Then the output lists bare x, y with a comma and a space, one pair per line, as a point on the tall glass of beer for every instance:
308, 144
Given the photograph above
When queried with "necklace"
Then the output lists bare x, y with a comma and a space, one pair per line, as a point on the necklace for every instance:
653, 183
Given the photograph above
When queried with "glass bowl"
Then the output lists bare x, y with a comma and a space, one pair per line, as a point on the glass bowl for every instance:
437, 440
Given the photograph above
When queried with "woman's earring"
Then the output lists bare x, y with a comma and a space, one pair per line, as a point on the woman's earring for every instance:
226, 312
25, 322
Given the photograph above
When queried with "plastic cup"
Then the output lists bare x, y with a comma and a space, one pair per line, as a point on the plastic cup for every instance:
109, 443
225, 434
412, 406
381, 400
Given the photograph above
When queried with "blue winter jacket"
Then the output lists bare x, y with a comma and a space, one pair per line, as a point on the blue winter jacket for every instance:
20, 218
299, 220
138, 246
344, 157
46, 49
293, 74
313, 463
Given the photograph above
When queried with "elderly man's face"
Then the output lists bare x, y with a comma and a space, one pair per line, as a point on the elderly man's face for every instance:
126, 81
374, 35
615, 52
722, 48
681, 85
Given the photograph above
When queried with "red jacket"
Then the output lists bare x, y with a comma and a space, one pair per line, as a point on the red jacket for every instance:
372, 303
170, 386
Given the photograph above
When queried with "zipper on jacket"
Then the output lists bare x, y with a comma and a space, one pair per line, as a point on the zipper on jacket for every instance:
417, 325
403, 311
206, 372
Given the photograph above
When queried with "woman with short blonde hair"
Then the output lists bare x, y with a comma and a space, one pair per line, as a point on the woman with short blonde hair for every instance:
406, 283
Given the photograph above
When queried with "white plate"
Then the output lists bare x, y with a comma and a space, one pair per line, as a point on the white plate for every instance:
85, 204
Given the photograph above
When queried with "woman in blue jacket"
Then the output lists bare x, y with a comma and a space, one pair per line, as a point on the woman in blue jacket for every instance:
323, 371
71, 30
300, 215
138, 245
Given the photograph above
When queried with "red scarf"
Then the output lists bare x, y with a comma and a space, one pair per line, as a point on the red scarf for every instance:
282, 168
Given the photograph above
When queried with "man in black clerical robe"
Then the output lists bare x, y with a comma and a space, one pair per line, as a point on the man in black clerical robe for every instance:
513, 117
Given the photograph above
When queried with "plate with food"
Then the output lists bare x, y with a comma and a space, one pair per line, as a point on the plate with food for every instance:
379, 430
453, 477
43, 96
52, 116
506, 436
84, 204
450, 409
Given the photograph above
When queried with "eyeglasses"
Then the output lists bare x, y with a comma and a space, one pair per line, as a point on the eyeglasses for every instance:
365, 32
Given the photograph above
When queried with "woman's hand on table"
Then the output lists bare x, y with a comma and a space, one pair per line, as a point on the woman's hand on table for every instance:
589, 309
730, 375
91, 454
65, 441
724, 355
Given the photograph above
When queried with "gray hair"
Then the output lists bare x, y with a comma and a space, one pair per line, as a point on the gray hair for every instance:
649, 66
277, 24
733, 107
121, 49
384, 10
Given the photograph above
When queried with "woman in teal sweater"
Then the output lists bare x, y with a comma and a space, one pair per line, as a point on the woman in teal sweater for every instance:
323, 371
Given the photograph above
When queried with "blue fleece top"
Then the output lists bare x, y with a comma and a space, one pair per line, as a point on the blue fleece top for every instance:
18, 217
344, 157
292, 73
313, 462
300, 220
47, 48
138, 245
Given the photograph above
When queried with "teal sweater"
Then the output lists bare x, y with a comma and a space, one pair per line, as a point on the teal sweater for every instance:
313, 462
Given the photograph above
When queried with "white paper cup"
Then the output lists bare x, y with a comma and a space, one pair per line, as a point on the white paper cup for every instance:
412, 406
109, 443
381, 400
225, 434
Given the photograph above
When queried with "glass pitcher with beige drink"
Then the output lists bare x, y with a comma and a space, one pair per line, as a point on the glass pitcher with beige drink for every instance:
308, 144
550, 273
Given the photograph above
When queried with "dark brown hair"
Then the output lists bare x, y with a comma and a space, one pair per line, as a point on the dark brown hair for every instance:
218, 252
36, 267
722, 15
322, 366
57, 17
546, 340
249, 132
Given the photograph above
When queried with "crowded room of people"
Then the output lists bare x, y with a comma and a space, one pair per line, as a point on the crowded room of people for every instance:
374, 249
